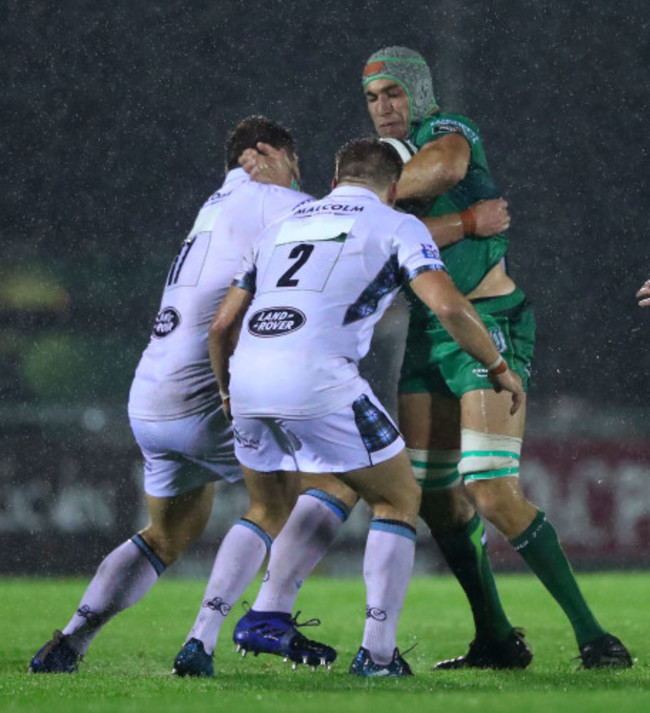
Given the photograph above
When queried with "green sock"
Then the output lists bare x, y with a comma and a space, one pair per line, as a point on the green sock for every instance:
465, 551
541, 549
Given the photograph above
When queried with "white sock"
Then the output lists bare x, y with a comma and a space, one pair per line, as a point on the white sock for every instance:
121, 580
311, 528
238, 560
387, 569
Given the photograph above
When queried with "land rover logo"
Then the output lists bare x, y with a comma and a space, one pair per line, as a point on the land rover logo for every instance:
166, 322
275, 322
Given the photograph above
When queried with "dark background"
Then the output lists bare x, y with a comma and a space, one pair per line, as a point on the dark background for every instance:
114, 117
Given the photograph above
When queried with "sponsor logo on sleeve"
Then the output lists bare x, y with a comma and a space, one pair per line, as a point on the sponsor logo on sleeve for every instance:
275, 321
429, 250
447, 128
450, 126
166, 322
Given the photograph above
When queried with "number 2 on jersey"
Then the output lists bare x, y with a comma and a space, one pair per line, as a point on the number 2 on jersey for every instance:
302, 252
311, 263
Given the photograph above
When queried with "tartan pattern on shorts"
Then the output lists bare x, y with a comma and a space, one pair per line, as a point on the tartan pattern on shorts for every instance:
375, 428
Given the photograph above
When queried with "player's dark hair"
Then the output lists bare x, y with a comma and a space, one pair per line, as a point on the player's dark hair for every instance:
249, 132
368, 160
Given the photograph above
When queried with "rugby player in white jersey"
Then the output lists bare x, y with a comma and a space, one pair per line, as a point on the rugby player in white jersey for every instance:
303, 308
310, 529
178, 420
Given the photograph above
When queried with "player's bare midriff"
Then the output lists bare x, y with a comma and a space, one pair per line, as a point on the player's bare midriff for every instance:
495, 284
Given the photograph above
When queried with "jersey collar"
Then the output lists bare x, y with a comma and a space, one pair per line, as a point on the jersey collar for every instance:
355, 191
235, 174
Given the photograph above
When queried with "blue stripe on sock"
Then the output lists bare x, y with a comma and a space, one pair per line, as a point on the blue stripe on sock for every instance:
395, 526
257, 530
338, 507
158, 565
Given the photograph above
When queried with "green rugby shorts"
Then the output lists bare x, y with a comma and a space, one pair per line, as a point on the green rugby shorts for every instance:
434, 363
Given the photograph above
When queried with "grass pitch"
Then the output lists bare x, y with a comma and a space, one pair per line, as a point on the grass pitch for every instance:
128, 666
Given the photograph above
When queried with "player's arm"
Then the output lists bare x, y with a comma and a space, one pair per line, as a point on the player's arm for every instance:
436, 168
481, 219
643, 295
457, 315
223, 335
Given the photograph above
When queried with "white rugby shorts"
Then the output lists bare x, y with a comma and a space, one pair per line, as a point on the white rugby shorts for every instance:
183, 454
358, 436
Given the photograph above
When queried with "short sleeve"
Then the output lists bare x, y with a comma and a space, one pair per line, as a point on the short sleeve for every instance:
416, 251
437, 127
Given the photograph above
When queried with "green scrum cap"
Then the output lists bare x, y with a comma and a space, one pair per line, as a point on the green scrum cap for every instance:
410, 70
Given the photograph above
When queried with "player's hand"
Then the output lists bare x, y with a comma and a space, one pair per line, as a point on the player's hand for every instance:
509, 381
491, 217
643, 295
249, 161
268, 165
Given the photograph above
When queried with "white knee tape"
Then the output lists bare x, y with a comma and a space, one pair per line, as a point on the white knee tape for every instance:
487, 455
435, 469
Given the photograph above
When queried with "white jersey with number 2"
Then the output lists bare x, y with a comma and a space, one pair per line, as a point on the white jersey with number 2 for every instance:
322, 278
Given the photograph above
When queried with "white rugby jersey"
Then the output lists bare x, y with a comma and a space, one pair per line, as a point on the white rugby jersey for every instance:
322, 278
174, 378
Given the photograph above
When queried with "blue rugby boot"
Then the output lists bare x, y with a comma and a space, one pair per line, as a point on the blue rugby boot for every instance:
277, 633
363, 665
57, 656
192, 660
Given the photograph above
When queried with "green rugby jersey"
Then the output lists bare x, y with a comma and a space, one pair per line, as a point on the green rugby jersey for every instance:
470, 259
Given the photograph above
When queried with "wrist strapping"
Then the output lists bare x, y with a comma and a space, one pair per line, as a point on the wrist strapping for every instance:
468, 219
500, 366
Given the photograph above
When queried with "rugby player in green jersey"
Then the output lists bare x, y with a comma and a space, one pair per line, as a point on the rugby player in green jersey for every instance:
464, 443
